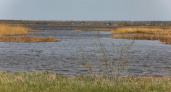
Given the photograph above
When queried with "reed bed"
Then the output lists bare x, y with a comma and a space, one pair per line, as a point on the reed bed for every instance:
27, 39
10, 33
77, 30
98, 29
164, 39
9, 30
161, 34
155, 31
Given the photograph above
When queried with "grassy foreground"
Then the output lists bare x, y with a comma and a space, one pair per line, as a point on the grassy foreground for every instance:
9, 33
48, 82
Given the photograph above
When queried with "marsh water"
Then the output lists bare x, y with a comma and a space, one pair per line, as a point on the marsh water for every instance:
147, 56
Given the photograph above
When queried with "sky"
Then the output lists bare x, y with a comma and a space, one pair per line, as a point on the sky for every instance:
86, 10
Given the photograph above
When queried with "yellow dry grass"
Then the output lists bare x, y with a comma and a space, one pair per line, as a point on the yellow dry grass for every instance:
140, 30
9, 33
163, 38
78, 30
9, 30
152, 33
6, 29
98, 29
27, 39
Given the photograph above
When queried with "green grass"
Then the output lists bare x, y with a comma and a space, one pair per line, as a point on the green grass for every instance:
47, 82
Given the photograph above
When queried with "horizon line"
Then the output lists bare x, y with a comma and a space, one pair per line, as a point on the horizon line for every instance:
88, 20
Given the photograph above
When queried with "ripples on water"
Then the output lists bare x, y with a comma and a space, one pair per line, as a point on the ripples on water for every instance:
152, 56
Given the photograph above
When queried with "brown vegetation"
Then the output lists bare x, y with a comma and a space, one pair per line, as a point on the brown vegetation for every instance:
78, 30
98, 29
9, 34
27, 39
163, 35
165, 39
139, 30
9, 30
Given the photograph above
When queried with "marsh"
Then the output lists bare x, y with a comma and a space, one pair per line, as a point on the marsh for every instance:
147, 55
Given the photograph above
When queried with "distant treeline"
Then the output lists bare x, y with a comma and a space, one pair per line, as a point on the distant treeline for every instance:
89, 23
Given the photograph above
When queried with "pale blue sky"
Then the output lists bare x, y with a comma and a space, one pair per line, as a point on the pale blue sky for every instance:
105, 10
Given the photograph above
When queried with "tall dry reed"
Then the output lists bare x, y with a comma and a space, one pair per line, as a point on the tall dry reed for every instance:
6, 29
110, 67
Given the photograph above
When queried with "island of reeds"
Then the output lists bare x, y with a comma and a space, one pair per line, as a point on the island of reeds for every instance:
9, 33
152, 33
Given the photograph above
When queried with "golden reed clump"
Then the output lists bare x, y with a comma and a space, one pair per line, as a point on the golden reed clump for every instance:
6, 29
164, 39
98, 29
163, 35
27, 39
77, 30
137, 30
9, 34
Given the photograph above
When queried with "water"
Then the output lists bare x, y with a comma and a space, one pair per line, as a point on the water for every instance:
147, 56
